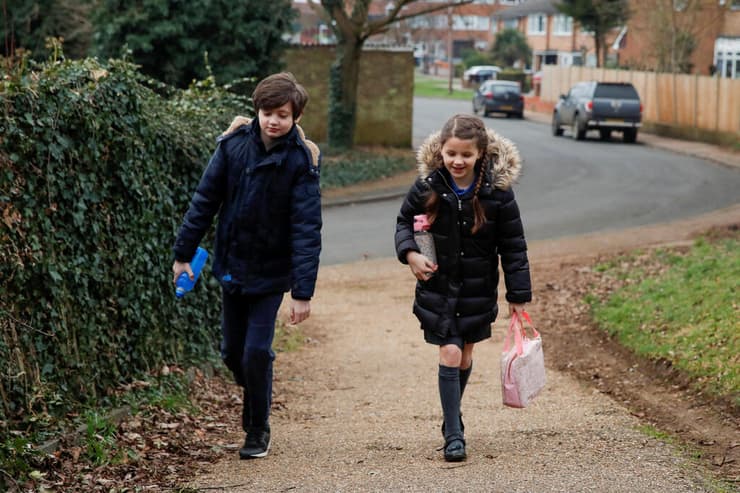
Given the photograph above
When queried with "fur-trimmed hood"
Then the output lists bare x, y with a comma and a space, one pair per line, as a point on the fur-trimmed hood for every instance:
502, 159
240, 121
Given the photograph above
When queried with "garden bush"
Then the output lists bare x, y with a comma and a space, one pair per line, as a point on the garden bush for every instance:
97, 167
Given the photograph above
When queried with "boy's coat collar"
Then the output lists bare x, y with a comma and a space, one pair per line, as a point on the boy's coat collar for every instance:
243, 121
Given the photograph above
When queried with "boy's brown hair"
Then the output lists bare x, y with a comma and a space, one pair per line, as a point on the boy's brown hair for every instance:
276, 90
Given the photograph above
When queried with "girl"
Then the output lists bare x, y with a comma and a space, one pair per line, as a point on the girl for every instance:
464, 188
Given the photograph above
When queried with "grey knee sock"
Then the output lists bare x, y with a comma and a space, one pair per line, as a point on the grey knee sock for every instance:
464, 375
449, 394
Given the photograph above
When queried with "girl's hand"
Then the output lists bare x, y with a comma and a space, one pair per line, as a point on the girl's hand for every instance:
421, 266
516, 307
180, 267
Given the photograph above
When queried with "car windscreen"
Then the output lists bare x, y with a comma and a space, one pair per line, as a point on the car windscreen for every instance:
615, 91
501, 89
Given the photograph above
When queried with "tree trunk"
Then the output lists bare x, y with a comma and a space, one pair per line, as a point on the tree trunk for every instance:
598, 42
343, 95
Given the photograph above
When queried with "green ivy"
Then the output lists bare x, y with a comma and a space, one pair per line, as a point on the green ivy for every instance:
97, 167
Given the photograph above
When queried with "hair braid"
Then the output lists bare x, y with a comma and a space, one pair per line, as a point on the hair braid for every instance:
478, 213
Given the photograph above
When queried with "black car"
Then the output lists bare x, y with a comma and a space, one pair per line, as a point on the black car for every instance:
499, 96
606, 106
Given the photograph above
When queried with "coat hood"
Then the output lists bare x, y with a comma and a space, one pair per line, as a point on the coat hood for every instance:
503, 162
240, 121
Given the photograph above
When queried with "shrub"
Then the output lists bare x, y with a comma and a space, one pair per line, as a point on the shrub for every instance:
97, 166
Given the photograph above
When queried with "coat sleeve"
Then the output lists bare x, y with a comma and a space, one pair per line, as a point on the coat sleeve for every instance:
412, 205
204, 205
512, 247
305, 232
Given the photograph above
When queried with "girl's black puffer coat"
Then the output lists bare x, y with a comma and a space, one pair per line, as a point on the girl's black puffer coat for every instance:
461, 298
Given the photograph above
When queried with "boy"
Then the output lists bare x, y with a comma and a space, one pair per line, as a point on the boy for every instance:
263, 180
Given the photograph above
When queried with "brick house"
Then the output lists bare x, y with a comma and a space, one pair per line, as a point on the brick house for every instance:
712, 27
555, 38
428, 34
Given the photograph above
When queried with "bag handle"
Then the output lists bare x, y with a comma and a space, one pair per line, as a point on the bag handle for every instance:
518, 329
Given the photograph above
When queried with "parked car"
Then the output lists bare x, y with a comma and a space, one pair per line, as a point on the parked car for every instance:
606, 106
499, 96
479, 73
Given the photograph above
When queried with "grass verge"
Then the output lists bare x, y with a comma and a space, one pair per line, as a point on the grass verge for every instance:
435, 87
681, 306
363, 164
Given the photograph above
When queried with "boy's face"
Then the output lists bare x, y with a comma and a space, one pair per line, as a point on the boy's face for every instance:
276, 122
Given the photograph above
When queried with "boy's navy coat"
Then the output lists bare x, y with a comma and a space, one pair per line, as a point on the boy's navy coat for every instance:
268, 237
460, 299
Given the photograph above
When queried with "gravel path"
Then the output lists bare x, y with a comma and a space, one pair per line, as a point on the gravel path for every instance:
360, 409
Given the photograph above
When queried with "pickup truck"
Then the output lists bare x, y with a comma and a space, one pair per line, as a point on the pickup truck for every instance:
606, 106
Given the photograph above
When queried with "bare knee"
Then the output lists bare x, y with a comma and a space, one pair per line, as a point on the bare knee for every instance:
450, 355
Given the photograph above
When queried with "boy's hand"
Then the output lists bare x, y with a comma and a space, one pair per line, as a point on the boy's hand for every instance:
421, 266
299, 310
180, 267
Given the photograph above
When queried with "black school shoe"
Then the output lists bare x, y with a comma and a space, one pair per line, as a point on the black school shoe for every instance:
455, 450
256, 444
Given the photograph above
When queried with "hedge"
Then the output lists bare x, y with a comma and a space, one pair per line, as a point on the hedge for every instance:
97, 167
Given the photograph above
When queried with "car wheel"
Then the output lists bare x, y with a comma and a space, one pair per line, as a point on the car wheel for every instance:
578, 132
629, 135
605, 134
557, 131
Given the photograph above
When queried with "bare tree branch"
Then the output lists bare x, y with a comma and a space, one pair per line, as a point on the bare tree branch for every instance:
342, 24
382, 25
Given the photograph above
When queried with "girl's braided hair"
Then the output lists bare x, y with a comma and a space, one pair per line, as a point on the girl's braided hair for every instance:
463, 127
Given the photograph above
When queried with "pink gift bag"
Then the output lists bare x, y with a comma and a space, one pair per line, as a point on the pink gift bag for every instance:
522, 365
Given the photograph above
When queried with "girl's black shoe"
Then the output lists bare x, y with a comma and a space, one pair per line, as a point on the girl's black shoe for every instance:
455, 450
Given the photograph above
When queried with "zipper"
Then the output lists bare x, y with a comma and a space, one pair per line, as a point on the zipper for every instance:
459, 202
241, 187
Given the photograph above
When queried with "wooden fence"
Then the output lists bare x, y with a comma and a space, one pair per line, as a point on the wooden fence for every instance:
694, 101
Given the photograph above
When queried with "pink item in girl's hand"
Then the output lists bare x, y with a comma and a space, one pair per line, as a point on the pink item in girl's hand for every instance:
421, 223
424, 239
522, 365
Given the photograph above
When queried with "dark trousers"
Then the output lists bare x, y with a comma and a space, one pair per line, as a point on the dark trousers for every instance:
248, 327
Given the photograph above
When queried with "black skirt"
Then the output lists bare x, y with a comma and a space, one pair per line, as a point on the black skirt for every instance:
469, 337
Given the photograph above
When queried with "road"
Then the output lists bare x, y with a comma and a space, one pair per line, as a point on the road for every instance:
566, 188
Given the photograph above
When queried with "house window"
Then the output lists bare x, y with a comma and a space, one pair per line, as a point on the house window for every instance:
440, 22
511, 24
679, 5
470, 23
562, 24
536, 24
727, 57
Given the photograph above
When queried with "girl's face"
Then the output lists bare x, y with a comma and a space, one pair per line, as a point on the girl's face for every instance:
459, 156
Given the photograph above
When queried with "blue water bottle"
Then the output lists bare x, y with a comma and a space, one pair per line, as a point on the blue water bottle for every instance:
184, 284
